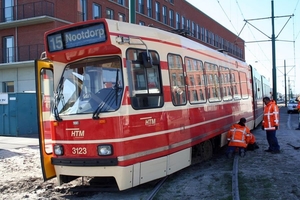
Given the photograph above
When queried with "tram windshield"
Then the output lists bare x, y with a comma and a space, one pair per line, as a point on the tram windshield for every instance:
90, 85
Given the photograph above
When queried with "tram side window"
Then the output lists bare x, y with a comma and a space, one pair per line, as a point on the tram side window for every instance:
259, 89
244, 85
225, 82
266, 90
213, 82
146, 80
177, 82
236, 87
195, 80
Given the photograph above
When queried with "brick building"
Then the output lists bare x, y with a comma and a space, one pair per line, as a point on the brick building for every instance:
23, 23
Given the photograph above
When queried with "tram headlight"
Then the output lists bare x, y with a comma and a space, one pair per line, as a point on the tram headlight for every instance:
58, 150
105, 150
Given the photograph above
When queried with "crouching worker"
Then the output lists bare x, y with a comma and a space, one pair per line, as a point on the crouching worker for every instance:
238, 137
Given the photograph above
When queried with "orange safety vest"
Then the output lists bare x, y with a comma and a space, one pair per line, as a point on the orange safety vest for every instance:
271, 116
239, 136
250, 138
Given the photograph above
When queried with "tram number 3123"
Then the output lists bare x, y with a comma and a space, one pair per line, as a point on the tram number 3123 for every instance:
79, 150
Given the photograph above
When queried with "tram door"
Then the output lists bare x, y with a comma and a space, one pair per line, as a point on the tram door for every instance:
44, 91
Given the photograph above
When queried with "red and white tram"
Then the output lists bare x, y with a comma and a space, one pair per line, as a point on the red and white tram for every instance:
135, 103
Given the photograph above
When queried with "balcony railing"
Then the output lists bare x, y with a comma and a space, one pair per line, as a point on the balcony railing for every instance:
28, 10
21, 53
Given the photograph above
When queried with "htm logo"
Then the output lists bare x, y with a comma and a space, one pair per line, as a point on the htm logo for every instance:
149, 122
77, 133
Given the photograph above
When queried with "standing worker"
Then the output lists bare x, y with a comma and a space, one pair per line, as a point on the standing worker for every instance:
270, 124
298, 107
239, 136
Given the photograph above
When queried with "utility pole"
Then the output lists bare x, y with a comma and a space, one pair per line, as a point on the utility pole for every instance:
272, 38
274, 56
132, 11
289, 85
285, 94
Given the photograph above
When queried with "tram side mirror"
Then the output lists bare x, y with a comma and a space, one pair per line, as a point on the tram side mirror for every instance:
146, 59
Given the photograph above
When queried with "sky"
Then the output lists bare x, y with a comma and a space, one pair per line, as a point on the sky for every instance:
251, 20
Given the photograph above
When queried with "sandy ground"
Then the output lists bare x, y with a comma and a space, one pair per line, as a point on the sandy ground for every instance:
261, 175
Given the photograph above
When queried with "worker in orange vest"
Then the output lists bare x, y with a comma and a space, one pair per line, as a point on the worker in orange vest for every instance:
270, 124
298, 107
239, 136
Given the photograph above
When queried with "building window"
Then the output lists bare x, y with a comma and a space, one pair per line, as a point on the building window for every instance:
157, 11
8, 86
208, 37
172, 1
142, 23
220, 42
121, 2
225, 45
212, 36
177, 21
96, 11
202, 34
109, 13
198, 36
82, 9
183, 22
8, 49
188, 24
194, 29
141, 6
149, 8
171, 17
8, 10
122, 17
164, 13
216, 41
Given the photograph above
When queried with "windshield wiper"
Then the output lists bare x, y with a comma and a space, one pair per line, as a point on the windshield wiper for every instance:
117, 87
56, 115
109, 97
108, 100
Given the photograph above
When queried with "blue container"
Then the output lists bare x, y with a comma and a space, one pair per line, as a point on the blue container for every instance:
19, 115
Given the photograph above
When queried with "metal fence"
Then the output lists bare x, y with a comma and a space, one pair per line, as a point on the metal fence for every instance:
28, 10
21, 53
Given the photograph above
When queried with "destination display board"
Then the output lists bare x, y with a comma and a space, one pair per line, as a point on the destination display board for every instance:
76, 37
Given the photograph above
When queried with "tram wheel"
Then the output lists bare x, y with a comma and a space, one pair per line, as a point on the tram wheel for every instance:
207, 150
202, 152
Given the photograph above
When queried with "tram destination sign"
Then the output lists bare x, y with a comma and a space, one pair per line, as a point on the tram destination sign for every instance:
76, 37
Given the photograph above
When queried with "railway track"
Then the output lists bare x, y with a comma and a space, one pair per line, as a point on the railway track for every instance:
235, 180
157, 188
176, 186
171, 185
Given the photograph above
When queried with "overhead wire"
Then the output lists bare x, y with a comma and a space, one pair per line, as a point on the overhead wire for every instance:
254, 55
227, 16
263, 52
295, 37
